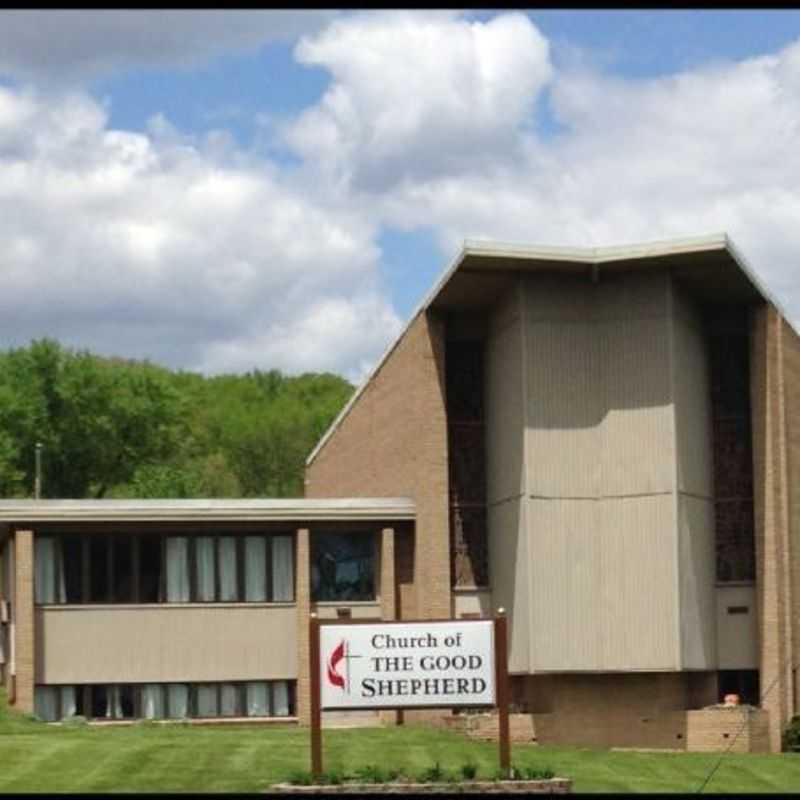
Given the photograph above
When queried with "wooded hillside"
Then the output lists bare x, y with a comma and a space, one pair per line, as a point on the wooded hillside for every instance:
117, 428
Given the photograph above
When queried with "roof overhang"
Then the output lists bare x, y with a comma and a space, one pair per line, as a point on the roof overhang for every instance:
22, 512
709, 266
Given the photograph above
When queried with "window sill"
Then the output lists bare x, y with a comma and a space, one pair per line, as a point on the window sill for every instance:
345, 603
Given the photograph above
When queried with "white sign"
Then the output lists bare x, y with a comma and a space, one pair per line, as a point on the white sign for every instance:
407, 664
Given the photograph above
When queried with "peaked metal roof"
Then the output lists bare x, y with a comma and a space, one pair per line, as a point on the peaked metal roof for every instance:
487, 256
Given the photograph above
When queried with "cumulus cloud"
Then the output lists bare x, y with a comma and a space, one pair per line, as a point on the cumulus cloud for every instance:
156, 245
435, 121
418, 95
60, 44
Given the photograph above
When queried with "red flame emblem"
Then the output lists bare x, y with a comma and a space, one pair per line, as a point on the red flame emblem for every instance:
333, 662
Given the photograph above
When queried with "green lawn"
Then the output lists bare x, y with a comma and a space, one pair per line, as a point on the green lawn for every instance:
35, 757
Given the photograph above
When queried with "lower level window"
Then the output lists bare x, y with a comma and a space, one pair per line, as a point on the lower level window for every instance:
166, 700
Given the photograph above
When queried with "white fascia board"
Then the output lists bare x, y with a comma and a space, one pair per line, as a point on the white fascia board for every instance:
333, 510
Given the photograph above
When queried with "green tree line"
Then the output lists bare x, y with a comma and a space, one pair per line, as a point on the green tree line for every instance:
111, 427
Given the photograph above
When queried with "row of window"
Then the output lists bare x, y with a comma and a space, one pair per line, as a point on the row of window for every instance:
166, 700
153, 568
160, 568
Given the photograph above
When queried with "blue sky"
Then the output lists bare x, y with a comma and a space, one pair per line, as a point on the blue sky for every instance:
227, 190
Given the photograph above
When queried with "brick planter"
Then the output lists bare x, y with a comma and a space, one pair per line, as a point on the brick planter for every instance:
551, 786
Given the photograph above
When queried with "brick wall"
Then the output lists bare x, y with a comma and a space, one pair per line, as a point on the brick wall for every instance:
740, 728
23, 620
393, 443
771, 514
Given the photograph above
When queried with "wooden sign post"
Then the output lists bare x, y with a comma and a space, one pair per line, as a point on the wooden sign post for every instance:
409, 664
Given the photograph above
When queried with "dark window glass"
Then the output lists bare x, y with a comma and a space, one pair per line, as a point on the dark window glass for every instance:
122, 575
72, 554
149, 569
99, 701
98, 569
744, 682
342, 566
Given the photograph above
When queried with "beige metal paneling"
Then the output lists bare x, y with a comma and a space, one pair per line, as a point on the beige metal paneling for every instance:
635, 449
82, 644
603, 591
737, 632
504, 402
692, 399
598, 413
696, 575
509, 568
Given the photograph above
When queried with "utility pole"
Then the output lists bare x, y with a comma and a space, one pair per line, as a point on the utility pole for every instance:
37, 488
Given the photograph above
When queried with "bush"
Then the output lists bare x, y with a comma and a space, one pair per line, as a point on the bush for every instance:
300, 778
434, 774
469, 771
791, 736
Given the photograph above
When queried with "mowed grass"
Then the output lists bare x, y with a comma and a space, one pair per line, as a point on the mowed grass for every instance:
35, 757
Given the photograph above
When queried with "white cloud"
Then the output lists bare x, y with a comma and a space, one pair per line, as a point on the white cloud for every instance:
419, 94
61, 44
435, 120
192, 254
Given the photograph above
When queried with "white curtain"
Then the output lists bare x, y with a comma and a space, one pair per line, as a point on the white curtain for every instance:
255, 560
152, 701
204, 559
228, 591
178, 695
48, 587
282, 569
280, 697
177, 569
45, 702
257, 700
113, 702
229, 700
206, 700
68, 706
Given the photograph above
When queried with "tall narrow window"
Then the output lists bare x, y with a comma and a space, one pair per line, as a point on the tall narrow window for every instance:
255, 560
282, 572
45, 703
207, 700
152, 701
122, 572
150, 569
99, 551
72, 561
257, 699
48, 577
229, 700
228, 582
204, 568
178, 700
280, 694
177, 569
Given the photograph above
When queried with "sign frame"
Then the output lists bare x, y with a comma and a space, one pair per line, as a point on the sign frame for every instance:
501, 689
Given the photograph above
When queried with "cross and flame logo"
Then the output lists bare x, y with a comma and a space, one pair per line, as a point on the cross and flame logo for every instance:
337, 656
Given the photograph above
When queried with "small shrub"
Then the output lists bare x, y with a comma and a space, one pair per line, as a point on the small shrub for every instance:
791, 736
333, 777
300, 778
533, 774
469, 771
434, 774
371, 773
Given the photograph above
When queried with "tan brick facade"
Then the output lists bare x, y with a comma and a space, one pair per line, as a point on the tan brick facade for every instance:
773, 537
303, 599
24, 621
393, 443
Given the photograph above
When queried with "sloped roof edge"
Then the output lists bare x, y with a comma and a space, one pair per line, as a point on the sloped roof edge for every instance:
584, 255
